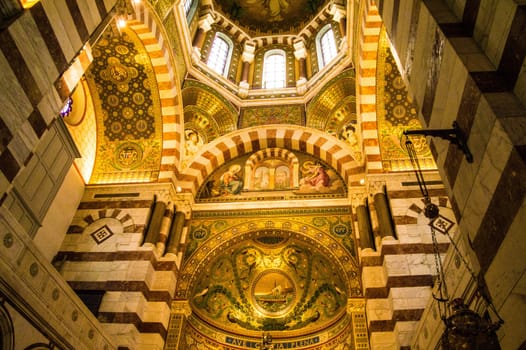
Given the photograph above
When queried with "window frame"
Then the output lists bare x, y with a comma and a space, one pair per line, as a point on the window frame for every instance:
189, 8
322, 54
266, 74
227, 58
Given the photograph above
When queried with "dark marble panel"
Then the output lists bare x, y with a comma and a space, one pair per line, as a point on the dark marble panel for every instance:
115, 204
101, 8
515, 48
398, 315
50, 39
77, 18
469, 17
503, 207
240, 146
37, 123
19, 67
8, 165
416, 193
490, 81
133, 318
394, 20
433, 73
410, 56
5, 136
454, 30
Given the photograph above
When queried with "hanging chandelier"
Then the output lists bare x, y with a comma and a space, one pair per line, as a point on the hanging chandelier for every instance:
464, 328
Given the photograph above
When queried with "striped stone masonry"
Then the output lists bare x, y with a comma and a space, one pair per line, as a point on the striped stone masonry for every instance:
398, 276
466, 63
103, 251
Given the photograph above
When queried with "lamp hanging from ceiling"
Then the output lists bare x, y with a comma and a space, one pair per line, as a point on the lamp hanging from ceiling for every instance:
464, 328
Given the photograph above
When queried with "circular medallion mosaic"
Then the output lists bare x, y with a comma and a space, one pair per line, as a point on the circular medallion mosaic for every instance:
273, 293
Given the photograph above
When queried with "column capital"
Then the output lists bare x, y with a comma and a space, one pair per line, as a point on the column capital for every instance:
248, 52
337, 12
181, 307
206, 21
299, 50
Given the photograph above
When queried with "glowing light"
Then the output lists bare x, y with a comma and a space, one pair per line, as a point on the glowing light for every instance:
362, 181
121, 22
28, 3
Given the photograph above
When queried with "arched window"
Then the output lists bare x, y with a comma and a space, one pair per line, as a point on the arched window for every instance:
220, 54
189, 8
274, 69
325, 45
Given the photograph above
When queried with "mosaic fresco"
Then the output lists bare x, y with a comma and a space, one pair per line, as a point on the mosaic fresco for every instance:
270, 283
273, 173
254, 116
333, 110
127, 109
269, 15
396, 112
336, 222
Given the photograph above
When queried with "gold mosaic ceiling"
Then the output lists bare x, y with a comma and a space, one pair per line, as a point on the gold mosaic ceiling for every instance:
128, 110
272, 16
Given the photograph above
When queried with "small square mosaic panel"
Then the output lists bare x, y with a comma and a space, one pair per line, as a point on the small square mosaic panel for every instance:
442, 224
102, 234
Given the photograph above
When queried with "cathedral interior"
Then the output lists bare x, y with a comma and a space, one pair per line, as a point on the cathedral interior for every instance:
262, 174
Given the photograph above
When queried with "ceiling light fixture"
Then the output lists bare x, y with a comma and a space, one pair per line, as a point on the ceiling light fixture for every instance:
464, 328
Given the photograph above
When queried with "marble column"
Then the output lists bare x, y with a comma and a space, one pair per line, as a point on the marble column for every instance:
364, 226
338, 15
154, 224
176, 233
204, 25
164, 229
300, 53
247, 58
383, 214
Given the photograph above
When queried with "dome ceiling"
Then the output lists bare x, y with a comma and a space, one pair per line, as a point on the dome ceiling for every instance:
269, 16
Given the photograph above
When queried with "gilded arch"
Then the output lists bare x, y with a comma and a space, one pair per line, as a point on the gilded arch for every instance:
332, 151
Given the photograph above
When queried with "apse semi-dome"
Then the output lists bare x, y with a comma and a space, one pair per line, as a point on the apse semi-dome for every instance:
275, 281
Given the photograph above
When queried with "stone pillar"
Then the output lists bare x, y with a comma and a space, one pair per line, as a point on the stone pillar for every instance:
164, 230
356, 309
338, 15
180, 311
154, 225
300, 53
364, 226
247, 58
176, 232
204, 25
383, 213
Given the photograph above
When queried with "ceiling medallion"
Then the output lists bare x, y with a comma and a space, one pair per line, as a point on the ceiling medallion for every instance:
273, 293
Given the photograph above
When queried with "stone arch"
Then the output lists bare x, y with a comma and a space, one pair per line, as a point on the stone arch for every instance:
145, 24
369, 36
292, 137
287, 156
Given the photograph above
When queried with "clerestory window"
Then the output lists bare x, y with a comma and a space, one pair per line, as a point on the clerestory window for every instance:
220, 54
274, 69
326, 46
189, 8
